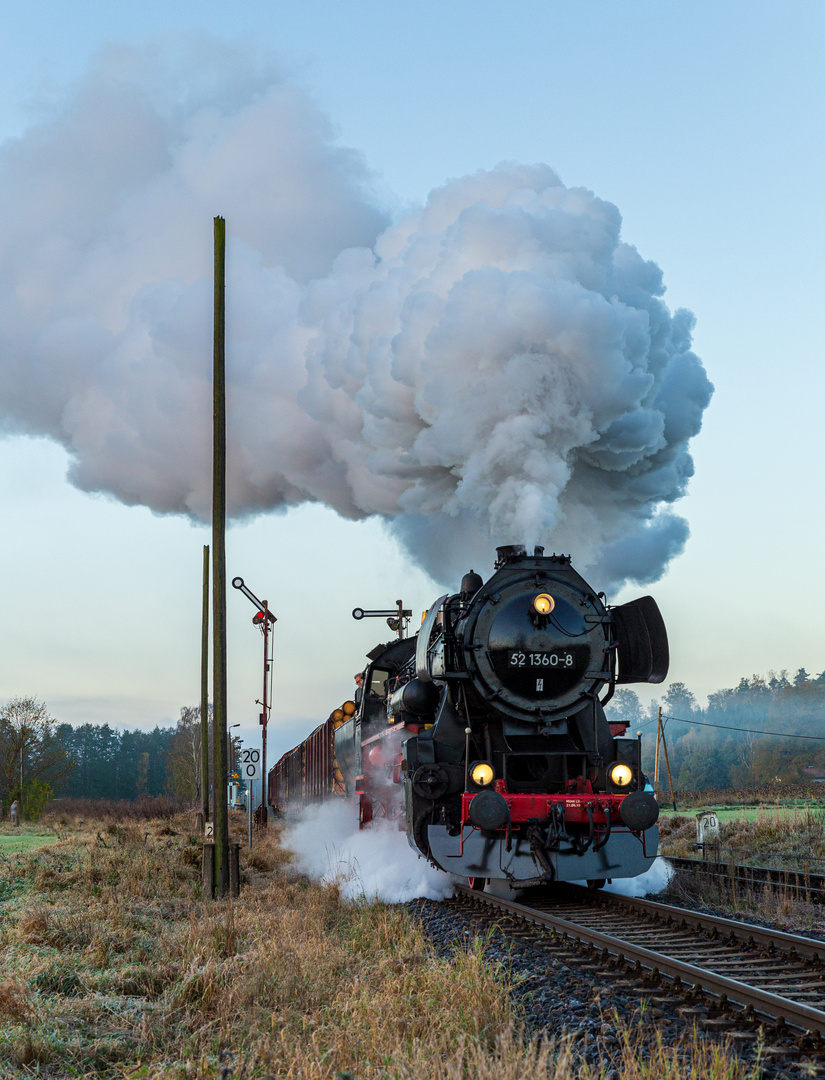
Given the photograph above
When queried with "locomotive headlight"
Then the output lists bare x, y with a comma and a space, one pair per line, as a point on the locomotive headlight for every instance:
621, 775
543, 604
482, 774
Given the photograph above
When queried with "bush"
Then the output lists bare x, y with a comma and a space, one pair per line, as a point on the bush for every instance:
144, 808
37, 795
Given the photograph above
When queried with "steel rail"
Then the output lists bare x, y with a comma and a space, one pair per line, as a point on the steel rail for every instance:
792, 944
771, 1005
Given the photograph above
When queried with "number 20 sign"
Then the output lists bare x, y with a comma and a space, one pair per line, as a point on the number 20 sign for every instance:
250, 764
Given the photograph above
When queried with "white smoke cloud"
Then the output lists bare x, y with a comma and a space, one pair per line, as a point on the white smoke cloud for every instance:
650, 883
496, 367
375, 863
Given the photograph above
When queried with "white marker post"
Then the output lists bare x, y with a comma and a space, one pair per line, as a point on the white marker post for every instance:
250, 770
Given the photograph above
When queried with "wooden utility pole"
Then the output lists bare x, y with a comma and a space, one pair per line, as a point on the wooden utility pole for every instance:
220, 813
205, 688
656, 760
660, 739
667, 763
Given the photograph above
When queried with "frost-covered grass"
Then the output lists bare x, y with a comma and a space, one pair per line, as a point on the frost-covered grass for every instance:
789, 839
16, 838
112, 966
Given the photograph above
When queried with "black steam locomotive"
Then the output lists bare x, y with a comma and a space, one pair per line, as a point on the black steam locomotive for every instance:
486, 734
491, 724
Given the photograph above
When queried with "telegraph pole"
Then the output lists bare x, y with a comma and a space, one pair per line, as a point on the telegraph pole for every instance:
205, 688
220, 814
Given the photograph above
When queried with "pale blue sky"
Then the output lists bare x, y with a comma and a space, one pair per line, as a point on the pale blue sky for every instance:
701, 121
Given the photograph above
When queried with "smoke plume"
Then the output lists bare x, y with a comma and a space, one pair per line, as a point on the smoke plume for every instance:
497, 366
650, 883
375, 863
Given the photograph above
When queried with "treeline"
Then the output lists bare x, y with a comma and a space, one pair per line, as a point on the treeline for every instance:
111, 764
716, 757
42, 759
719, 746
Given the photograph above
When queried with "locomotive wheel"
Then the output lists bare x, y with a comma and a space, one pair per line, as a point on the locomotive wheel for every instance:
430, 782
477, 883
596, 883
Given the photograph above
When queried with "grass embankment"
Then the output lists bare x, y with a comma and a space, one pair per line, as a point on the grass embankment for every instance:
111, 966
755, 836
739, 813
803, 796
784, 838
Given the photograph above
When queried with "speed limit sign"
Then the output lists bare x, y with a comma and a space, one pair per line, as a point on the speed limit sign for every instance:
250, 764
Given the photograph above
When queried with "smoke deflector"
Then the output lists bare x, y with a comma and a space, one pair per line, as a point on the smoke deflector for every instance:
641, 641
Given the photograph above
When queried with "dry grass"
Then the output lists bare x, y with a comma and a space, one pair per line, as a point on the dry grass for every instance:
794, 842
14, 1002
792, 839
776, 904
113, 967
78, 811
805, 793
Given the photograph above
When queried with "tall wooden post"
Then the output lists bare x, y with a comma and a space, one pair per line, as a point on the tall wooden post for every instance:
220, 814
667, 763
656, 759
205, 688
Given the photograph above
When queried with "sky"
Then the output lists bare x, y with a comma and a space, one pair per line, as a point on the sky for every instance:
702, 123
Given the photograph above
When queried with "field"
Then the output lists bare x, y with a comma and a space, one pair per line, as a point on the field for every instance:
14, 839
785, 837
113, 967
759, 835
743, 813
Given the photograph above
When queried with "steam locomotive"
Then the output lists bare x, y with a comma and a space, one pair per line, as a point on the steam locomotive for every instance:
485, 735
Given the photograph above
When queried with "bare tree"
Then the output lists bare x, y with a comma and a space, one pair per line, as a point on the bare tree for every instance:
32, 757
183, 762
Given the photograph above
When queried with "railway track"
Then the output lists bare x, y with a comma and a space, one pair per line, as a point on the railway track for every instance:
810, 887
762, 975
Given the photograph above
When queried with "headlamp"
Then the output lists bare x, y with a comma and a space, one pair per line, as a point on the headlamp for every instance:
543, 604
621, 775
482, 774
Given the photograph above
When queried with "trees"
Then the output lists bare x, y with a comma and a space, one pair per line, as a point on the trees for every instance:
183, 761
625, 708
94, 749
33, 759
141, 762
679, 701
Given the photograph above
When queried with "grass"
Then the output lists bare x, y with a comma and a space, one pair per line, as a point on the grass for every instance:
740, 813
771, 904
17, 838
800, 796
787, 839
112, 966
763, 836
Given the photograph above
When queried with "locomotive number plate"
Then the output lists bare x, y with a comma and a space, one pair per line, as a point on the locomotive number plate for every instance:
517, 659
